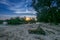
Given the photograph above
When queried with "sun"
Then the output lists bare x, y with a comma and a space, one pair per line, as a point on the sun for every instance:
28, 19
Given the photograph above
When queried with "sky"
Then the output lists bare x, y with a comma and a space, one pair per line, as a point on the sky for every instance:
16, 7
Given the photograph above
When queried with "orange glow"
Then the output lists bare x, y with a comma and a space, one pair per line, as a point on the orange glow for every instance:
28, 18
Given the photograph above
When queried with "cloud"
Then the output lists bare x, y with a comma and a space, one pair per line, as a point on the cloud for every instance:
22, 6
32, 12
5, 2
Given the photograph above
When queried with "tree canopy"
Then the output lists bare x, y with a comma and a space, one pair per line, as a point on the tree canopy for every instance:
47, 10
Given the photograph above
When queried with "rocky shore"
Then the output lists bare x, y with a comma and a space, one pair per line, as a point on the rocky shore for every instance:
20, 32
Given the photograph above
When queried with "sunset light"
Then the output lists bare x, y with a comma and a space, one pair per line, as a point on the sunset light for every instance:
28, 19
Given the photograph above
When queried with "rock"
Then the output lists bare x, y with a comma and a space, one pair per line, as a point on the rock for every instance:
2, 32
21, 33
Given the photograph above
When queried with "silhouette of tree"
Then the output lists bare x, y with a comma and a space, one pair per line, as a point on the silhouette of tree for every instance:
47, 10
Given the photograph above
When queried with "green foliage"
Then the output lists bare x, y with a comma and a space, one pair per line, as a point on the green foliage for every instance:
33, 21
1, 21
46, 12
18, 20
37, 31
30, 21
14, 21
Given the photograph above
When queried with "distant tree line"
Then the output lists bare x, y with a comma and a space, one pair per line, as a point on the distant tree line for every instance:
47, 10
17, 21
14, 21
1, 21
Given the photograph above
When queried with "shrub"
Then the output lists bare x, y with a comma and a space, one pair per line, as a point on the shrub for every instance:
14, 21
1, 21
37, 31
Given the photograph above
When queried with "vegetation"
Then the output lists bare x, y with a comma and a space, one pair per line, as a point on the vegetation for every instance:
1, 21
14, 21
47, 10
18, 20
37, 31
31, 21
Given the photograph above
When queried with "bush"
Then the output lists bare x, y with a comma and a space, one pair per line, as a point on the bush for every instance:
37, 31
47, 12
18, 20
15, 21
1, 21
